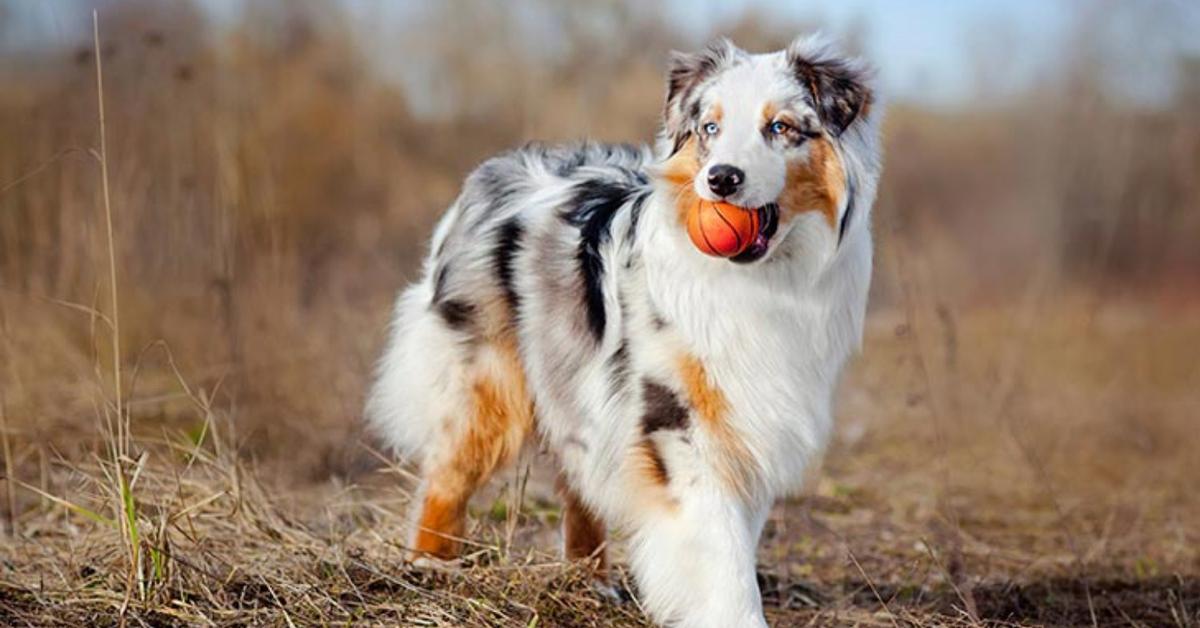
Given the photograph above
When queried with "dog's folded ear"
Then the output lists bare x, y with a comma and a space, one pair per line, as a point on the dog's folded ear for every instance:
687, 72
840, 86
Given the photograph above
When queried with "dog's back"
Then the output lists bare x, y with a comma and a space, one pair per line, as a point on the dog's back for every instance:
515, 211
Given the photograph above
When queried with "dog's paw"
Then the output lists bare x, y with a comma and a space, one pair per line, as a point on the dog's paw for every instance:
425, 562
612, 592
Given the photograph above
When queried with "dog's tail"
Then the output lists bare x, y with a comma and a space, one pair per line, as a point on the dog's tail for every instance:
402, 406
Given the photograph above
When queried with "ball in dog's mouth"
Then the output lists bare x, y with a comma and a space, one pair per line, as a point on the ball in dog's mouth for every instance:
720, 229
768, 223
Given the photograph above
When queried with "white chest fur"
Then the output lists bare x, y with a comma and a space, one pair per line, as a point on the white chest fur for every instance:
772, 342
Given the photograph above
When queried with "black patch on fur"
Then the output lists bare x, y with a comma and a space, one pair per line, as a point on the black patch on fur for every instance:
687, 72
681, 138
618, 361
849, 209
838, 89
635, 214
663, 411
457, 314
508, 242
618, 366
592, 208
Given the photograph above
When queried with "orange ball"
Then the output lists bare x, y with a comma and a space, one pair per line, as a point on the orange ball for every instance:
720, 229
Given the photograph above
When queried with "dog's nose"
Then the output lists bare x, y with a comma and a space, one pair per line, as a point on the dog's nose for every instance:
724, 179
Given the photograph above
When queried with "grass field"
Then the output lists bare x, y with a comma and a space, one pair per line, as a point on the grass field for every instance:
190, 310
965, 487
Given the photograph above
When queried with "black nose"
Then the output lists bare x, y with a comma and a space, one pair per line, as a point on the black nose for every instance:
724, 179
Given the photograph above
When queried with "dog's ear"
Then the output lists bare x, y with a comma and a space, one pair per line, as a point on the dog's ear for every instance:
687, 72
840, 86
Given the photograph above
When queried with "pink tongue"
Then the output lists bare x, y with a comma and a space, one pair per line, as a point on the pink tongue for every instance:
759, 244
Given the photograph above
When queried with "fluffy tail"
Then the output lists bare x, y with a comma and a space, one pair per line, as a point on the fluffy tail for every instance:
416, 379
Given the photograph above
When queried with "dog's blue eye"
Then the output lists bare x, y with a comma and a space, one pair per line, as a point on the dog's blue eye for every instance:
711, 128
779, 128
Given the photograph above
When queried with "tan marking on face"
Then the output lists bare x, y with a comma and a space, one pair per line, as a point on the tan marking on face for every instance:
815, 184
735, 463
583, 532
769, 111
680, 171
715, 113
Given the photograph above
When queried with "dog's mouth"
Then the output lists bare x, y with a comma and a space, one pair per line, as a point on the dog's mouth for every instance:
768, 224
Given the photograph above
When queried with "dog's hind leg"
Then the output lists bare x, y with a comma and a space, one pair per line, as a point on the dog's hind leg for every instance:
450, 396
498, 418
583, 532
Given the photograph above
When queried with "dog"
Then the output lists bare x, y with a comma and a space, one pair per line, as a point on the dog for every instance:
680, 393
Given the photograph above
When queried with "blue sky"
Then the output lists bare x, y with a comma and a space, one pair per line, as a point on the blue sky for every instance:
942, 52
919, 45
929, 51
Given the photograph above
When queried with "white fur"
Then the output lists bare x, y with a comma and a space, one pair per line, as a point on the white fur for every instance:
741, 92
773, 336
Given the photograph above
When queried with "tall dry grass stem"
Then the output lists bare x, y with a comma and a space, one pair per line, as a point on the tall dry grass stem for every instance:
108, 225
125, 503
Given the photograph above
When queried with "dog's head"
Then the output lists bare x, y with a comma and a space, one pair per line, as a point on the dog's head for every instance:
765, 131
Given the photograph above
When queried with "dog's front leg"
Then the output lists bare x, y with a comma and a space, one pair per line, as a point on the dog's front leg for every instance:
695, 562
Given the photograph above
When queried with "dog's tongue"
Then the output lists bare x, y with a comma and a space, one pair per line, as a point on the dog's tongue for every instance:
768, 217
758, 246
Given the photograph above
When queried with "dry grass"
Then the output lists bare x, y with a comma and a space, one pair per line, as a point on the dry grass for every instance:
973, 519
179, 421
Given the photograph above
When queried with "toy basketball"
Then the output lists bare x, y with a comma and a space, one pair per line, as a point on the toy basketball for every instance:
720, 229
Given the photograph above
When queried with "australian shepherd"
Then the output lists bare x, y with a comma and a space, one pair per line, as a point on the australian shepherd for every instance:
680, 393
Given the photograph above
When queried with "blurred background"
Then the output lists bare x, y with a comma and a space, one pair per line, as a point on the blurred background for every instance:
1028, 387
